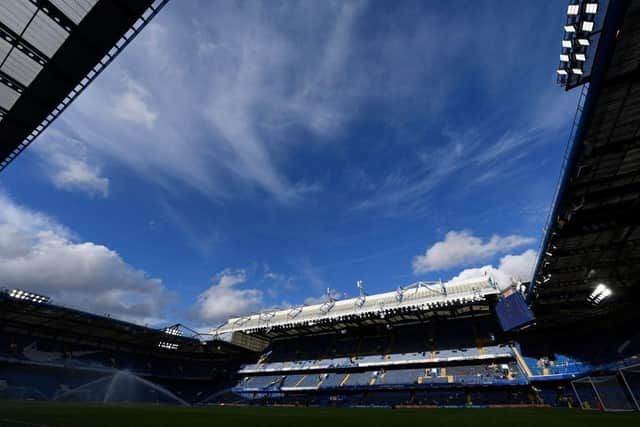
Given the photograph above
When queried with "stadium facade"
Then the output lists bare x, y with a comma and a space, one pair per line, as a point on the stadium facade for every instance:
568, 338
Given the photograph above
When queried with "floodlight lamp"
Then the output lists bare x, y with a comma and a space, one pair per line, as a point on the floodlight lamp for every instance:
580, 57
577, 71
567, 44
28, 296
591, 8
573, 9
570, 28
175, 331
600, 293
583, 42
564, 57
587, 26
168, 345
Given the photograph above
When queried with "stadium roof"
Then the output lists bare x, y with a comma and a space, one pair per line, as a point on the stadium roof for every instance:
34, 315
417, 302
50, 50
592, 244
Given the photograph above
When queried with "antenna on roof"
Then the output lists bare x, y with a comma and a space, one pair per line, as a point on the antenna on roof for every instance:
360, 300
329, 303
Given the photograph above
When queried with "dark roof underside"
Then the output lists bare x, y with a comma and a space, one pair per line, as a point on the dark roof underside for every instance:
66, 324
594, 235
401, 319
31, 32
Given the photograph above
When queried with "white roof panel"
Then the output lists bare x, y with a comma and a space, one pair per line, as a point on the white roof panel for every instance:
418, 296
22, 68
45, 34
15, 14
5, 47
74, 9
8, 97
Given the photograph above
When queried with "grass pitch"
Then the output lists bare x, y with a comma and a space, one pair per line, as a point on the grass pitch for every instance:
72, 415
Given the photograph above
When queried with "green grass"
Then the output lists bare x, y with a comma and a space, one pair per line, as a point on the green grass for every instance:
72, 415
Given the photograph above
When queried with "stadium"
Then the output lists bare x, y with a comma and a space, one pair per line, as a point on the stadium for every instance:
563, 349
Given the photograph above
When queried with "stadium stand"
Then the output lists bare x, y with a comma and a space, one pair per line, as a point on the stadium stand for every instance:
592, 233
427, 344
46, 348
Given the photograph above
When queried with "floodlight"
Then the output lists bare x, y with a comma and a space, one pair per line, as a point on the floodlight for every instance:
168, 345
583, 42
567, 44
600, 293
28, 296
564, 57
591, 8
587, 26
573, 9
570, 28
173, 330
580, 57
577, 71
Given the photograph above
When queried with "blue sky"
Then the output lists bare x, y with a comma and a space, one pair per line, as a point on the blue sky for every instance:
243, 155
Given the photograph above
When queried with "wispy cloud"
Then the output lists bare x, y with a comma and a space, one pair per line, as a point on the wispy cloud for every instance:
215, 120
133, 104
475, 153
221, 104
204, 239
313, 277
68, 166
279, 283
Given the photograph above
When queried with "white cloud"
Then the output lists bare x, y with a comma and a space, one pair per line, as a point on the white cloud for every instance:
512, 267
66, 162
38, 254
315, 300
79, 176
519, 266
132, 105
225, 298
279, 282
463, 248
323, 298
